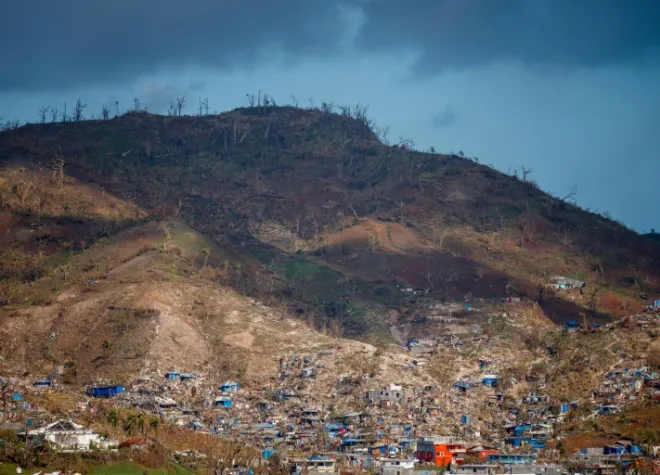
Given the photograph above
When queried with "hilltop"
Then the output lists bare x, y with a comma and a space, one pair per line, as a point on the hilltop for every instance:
321, 215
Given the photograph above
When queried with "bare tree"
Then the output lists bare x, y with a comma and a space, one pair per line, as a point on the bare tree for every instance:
136, 101
54, 114
43, 113
327, 107
64, 116
116, 108
180, 104
58, 171
6, 388
572, 193
360, 113
525, 172
384, 135
78, 111
24, 190
268, 101
294, 102
172, 109
105, 112
207, 252
406, 144
251, 99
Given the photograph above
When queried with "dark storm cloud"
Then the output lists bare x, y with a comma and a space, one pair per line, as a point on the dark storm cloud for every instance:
445, 118
460, 33
66, 43
53, 43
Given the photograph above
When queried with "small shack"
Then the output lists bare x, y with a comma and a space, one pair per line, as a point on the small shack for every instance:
187, 376
223, 401
230, 387
172, 375
105, 391
490, 380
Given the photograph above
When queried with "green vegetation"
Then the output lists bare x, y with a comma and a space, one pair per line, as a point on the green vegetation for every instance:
123, 468
127, 468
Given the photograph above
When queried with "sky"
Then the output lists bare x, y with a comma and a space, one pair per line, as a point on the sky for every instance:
567, 88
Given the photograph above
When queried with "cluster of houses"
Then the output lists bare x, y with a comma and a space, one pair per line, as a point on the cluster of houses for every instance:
391, 432
624, 386
472, 426
621, 457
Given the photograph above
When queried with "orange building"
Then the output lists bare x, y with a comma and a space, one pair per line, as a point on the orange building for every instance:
441, 451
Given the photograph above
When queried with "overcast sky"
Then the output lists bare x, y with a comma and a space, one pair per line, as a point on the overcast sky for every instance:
568, 88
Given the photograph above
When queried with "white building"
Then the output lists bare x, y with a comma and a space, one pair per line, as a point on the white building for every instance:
397, 466
318, 465
69, 436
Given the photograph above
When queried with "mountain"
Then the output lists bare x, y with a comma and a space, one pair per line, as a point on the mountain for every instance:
321, 214
230, 244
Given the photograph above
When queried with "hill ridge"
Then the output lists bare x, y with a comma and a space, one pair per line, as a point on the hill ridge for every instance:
314, 176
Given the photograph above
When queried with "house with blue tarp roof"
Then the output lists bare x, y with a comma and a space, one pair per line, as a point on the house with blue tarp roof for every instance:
223, 401
538, 444
334, 427
195, 425
512, 459
521, 429
462, 386
518, 441
230, 387
352, 442
378, 449
172, 375
614, 449
105, 391
607, 409
489, 380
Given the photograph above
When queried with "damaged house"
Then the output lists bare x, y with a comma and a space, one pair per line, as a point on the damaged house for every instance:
68, 436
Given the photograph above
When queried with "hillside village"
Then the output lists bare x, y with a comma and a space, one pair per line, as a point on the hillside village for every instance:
332, 410
278, 290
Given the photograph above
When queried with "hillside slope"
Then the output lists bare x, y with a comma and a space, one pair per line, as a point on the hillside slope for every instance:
324, 218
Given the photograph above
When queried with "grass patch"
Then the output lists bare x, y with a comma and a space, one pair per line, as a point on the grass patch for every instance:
300, 269
134, 469
10, 469
263, 255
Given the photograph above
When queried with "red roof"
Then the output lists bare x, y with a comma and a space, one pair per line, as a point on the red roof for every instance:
133, 441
